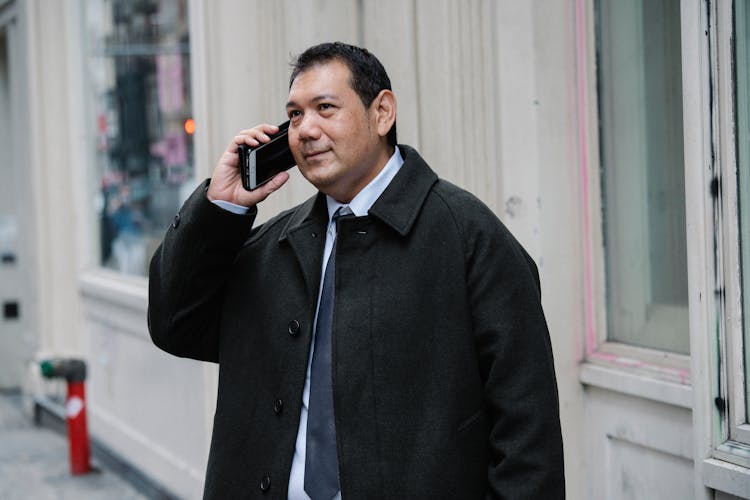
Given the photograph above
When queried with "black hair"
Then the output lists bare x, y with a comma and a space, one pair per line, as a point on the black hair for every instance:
368, 74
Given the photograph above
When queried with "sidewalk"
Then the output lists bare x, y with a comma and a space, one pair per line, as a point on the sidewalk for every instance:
34, 464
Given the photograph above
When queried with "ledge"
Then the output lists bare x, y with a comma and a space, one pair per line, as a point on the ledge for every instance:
636, 385
726, 477
115, 301
102, 285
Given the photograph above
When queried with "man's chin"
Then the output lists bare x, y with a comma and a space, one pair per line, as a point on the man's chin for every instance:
318, 174
320, 182
330, 186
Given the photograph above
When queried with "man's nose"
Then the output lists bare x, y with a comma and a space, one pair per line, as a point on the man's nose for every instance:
308, 128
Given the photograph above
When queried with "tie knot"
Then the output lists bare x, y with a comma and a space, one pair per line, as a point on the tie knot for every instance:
343, 212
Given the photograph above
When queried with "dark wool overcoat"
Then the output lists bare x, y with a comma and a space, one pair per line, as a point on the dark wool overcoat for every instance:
443, 377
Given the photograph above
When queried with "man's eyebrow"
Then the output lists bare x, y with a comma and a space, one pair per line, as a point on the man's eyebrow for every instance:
318, 98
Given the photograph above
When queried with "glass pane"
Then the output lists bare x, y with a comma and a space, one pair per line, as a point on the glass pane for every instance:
742, 19
138, 64
643, 185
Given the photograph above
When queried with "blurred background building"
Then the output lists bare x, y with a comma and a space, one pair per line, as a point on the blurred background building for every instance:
611, 136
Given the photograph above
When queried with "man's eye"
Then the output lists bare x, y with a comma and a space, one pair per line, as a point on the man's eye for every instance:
293, 113
324, 106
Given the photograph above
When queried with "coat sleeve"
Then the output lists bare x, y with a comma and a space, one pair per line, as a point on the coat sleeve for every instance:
187, 275
515, 360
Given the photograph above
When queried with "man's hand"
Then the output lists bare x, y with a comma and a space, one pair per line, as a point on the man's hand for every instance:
226, 182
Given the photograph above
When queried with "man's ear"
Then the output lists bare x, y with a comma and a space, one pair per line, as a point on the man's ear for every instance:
384, 107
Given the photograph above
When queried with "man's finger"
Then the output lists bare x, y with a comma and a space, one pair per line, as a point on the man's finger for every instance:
257, 195
275, 183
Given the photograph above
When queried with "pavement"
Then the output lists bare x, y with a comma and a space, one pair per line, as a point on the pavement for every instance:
34, 463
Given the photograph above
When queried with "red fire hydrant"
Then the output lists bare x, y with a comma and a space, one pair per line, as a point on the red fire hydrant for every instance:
74, 372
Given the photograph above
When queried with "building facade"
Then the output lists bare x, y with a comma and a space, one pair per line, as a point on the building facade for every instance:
612, 137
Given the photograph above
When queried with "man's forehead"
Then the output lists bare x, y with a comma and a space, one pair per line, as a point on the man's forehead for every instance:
323, 77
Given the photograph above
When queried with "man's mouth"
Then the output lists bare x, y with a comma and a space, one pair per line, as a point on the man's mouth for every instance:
311, 155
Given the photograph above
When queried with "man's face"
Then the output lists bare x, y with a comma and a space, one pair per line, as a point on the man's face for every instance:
332, 135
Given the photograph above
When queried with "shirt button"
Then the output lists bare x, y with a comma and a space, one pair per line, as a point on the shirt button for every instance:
278, 406
176, 221
265, 483
293, 327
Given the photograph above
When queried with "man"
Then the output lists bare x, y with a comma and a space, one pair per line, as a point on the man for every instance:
415, 363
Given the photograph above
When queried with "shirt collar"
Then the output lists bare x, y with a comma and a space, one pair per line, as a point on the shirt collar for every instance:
364, 200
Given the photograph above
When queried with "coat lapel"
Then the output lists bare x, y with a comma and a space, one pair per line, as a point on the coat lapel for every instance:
305, 233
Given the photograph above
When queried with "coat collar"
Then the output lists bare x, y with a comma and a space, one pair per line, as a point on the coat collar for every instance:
401, 202
398, 206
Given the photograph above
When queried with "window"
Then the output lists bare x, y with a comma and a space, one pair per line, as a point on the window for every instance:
729, 195
138, 65
738, 331
742, 30
639, 77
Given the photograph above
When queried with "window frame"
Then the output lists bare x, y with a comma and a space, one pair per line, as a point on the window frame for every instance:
732, 439
721, 441
598, 348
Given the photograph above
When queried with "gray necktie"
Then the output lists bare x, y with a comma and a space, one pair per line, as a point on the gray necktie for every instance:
321, 460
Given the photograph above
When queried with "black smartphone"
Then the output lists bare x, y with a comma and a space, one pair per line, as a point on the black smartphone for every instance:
258, 165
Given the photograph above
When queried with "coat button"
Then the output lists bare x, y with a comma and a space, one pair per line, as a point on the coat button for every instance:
293, 327
265, 483
176, 221
278, 406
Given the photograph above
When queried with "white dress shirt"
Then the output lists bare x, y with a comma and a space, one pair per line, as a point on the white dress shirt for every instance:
359, 206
